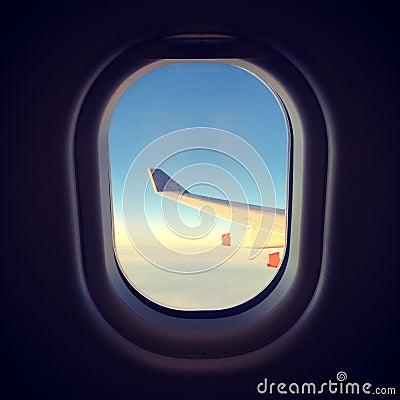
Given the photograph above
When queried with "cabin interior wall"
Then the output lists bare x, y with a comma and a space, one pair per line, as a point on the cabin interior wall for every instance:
53, 341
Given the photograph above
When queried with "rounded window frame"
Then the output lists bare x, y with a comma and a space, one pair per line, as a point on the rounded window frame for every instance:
263, 76
198, 334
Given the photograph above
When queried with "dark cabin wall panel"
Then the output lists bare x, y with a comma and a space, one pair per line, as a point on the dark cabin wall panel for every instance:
52, 343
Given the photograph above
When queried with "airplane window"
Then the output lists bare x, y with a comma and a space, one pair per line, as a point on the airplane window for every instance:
199, 175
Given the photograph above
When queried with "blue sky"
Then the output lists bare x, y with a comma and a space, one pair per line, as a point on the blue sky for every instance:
198, 94
238, 123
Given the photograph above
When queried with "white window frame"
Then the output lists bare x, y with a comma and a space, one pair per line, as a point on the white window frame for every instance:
198, 334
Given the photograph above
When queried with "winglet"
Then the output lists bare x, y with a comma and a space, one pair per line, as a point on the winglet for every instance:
163, 183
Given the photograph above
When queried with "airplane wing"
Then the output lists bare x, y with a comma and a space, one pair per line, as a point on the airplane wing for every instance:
266, 225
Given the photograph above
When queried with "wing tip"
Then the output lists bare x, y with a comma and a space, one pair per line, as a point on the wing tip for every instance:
162, 182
